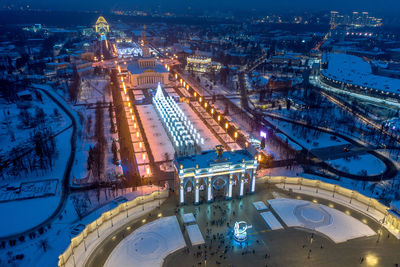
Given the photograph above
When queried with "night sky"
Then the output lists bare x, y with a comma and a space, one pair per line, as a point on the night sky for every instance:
373, 6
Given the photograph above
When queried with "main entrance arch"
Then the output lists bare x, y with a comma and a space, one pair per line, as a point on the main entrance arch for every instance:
225, 175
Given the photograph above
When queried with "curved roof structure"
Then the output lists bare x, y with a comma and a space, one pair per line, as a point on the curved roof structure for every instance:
102, 25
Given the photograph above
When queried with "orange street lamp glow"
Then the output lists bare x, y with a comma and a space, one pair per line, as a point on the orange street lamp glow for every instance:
195, 94
180, 81
226, 125
148, 171
205, 105
187, 87
200, 99
236, 134
212, 111
140, 145
134, 125
122, 79
133, 117
259, 157
176, 76
127, 98
129, 104
219, 117
144, 156
131, 111
119, 69
137, 134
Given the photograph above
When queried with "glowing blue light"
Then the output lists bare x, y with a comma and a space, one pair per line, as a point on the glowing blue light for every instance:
240, 231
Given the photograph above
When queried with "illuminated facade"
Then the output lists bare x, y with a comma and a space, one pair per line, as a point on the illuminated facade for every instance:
101, 26
210, 175
181, 132
147, 72
201, 64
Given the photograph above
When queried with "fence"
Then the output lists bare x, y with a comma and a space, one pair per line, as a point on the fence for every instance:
95, 226
389, 220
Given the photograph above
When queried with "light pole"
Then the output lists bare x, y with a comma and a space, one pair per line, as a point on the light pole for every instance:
159, 204
97, 229
142, 197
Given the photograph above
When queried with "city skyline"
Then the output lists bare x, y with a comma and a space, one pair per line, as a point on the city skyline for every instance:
388, 7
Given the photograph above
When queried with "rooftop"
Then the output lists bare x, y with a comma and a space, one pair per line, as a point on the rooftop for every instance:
355, 70
135, 69
209, 158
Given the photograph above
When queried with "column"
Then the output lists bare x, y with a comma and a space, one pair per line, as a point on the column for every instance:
181, 192
209, 190
230, 186
241, 184
197, 193
253, 180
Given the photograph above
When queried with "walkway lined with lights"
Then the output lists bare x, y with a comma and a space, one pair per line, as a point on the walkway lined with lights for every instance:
141, 154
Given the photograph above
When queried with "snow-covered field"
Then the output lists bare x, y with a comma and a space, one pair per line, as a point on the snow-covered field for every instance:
25, 214
148, 245
336, 225
356, 165
13, 133
307, 139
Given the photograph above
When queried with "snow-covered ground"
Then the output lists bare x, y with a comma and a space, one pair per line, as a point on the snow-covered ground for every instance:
290, 142
356, 165
93, 89
159, 141
210, 141
259, 205
58, 237
11, 113
25, 214
336, 225
195, 236
355, 70
309, 139
271, 220
188, 218
149, 244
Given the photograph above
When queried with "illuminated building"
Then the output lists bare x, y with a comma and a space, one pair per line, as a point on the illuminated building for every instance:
356, 19
201, 64
147, 72
102, 27
211, 175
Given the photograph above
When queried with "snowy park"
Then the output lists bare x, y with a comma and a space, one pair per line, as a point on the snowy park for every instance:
309, 139
365, 164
